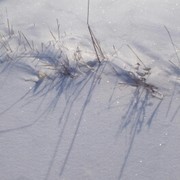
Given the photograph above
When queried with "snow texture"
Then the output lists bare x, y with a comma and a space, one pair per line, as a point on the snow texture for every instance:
64, 115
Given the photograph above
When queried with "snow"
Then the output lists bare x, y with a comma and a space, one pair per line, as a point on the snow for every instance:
65, 116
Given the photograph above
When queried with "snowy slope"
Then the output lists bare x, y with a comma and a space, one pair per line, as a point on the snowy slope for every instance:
63, 119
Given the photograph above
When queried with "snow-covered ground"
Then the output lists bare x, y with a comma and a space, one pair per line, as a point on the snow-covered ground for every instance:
64, 116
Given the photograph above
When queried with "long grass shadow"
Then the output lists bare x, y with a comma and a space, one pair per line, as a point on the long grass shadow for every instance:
171, 99
26, 95
93, 84
15, 103
5, 68
135, 119
91, 79
66, 112
175, 70
40, 88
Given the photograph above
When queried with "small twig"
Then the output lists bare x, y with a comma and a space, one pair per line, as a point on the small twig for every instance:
27, 41
32, 44
58, 29
136, 55
96, 45
42, 46
172, 42
88, 12
9, 29
5, 43
20, 38
52, 35
173, 64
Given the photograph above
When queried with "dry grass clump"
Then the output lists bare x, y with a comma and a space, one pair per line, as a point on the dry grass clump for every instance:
51, 60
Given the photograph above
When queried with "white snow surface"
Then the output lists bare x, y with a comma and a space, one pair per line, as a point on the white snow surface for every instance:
94, 123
